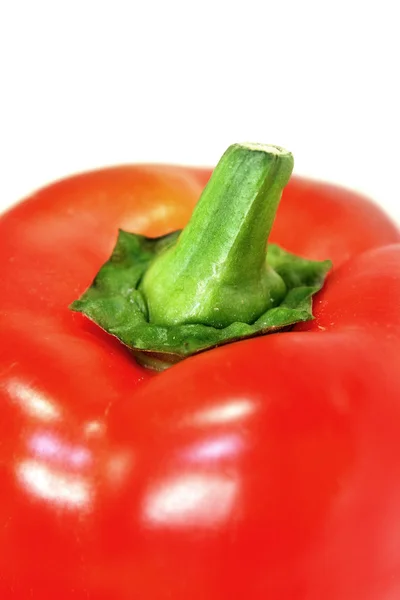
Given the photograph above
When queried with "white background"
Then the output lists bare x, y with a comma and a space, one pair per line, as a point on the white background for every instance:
86, 84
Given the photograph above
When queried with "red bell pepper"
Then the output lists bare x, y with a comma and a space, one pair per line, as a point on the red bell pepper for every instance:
264, 468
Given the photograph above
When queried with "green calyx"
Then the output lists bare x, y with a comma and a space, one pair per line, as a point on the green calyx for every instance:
213, 283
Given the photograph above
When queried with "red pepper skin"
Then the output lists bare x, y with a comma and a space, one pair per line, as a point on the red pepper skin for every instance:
268, 468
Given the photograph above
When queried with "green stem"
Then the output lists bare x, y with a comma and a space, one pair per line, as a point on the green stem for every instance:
217, 272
